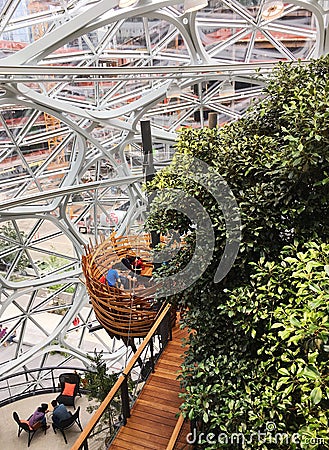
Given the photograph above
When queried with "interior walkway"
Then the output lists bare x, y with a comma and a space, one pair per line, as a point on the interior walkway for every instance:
153, 416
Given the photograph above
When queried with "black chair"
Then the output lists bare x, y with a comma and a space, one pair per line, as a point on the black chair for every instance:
24, 425
67, 423
70, 388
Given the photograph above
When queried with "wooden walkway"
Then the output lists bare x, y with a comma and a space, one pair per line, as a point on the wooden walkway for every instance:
153, 416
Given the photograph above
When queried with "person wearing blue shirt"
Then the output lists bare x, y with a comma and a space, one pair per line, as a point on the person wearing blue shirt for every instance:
60, 412
112, 276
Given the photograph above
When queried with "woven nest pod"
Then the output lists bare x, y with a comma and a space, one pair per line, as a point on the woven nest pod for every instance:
125, 313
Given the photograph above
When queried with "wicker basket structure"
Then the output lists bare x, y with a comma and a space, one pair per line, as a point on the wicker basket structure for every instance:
123, 313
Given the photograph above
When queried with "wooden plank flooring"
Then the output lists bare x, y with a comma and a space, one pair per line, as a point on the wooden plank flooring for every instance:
153, 416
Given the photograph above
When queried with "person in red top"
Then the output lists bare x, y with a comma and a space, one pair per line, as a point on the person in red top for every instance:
102, 279
3, 332
138, 265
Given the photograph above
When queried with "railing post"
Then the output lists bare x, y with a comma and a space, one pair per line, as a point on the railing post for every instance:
169, 323
125, 400
53, 380
9, 391
165, 329
152, 354
194, 431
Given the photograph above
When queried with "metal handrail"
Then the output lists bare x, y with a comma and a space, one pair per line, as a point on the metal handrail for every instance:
121, 383
9, 385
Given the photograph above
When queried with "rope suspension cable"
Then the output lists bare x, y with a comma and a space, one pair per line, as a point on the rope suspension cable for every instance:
132, 296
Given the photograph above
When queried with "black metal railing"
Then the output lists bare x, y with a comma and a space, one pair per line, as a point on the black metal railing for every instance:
31, 382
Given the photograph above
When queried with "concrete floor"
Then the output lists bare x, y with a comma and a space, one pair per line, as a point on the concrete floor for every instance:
40, 441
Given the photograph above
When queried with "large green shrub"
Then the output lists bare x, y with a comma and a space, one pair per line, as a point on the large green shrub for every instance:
283, 377
276, 162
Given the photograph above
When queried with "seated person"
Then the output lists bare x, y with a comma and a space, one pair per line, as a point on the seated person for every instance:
3, 332
112, 276
124, 282
10, 339
39, 415
102, 279
138, 265
124, 277
60, 412
128, 261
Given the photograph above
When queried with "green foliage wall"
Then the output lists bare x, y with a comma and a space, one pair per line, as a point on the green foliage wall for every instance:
9, 256
241, 372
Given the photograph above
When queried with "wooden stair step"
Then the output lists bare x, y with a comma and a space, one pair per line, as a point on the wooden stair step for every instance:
168, 417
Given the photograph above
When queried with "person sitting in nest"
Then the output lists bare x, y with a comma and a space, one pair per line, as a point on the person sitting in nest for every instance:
138, 265
128, 261
112, 276
125, 278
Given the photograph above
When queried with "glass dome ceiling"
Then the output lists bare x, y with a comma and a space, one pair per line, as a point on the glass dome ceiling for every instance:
77, 77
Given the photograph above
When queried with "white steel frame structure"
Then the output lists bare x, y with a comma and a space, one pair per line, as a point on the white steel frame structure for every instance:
77, 77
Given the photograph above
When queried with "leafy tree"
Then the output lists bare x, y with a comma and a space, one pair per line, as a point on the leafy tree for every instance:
276, 162
99, 382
